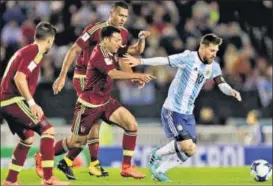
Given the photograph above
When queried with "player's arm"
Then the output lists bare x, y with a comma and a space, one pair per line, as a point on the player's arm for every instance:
24, 70
117, 74
70, 57
154, 61
226, 88
175, 60
139, 46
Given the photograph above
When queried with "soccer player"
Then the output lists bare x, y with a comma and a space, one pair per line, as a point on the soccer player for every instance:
95, 102
20, 110
84, 46
194, 68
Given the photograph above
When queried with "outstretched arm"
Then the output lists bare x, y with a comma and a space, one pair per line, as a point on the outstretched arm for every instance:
226, 88
155, 61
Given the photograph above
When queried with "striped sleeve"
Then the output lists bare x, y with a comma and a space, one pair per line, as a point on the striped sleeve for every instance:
88, 34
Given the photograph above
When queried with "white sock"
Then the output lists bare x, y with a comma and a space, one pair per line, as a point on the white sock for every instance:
173, 160
167, 149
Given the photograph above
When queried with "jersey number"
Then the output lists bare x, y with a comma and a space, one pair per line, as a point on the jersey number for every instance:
200, 78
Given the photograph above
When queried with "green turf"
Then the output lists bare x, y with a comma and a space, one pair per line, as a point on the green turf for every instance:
204, 176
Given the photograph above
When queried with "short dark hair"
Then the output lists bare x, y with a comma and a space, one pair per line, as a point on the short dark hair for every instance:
120, 4
211, 39
44, 29
108, 31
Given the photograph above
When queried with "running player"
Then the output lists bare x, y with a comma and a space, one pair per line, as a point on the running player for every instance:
95, 102
20, 110
194, 68
84, 46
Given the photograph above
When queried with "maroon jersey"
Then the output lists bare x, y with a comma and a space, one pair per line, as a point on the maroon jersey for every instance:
87, 41
26, 60
98, 85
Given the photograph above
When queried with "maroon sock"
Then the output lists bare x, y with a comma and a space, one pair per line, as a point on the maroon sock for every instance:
93, 147
128, 144
73, 153
18, 160
47, 151
60, 147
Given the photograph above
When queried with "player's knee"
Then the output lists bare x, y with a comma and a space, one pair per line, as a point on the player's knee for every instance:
131, 126
50, 131
28, 141
188, 147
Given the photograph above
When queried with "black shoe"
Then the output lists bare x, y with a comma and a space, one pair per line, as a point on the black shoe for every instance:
62, 166
104, 172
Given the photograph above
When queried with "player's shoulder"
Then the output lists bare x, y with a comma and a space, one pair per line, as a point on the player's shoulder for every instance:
123, 29
215, 64
98, 52
91, 28
31, 49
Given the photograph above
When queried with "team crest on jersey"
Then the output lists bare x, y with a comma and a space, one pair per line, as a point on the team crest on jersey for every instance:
207, 73
108, 61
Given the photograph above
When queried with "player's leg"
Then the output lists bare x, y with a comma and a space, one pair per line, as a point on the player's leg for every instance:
20, 152
82, 122
21, 114
119, 115
73, 142
95, 167
182, 128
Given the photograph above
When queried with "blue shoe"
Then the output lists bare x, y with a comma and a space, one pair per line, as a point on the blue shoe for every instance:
160, 177
154, 161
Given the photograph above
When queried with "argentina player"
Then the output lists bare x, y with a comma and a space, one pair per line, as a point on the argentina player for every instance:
194, 68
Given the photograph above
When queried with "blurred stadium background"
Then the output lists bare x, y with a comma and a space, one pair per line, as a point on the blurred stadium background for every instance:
225, 136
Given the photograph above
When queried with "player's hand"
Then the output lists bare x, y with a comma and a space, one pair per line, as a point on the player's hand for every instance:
37, 111
236, 94
139, 83
145, 77
132, 61
58, 84
143, 34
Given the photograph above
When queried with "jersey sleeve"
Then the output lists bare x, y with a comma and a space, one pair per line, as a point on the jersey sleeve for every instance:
84, 39
179, 60
103, 64
29, 62
216, 70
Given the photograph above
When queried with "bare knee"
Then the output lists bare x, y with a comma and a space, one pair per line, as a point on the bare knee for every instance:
28, 141
188, 147
50, 131
76, 142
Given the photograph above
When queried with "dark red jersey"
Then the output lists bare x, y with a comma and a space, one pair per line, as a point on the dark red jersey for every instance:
98, 85
26, 60
87, 41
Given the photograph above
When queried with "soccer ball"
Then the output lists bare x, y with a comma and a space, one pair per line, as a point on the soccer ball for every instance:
261, 170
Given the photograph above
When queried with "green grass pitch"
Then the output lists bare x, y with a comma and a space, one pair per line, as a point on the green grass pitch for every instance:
179, 176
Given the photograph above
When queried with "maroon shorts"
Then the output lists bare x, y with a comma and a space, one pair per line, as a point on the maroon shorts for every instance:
85, 117
22, 122
78, 84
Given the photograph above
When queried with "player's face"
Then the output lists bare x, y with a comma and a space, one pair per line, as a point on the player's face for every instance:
114, 42
119, 16
49, 44
210, 52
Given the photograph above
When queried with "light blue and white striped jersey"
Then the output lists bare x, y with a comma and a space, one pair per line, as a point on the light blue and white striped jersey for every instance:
188, 81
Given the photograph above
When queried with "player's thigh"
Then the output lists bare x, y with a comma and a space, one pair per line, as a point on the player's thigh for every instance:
119, 115
95, 130
83, 119
20, 117
178, 125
